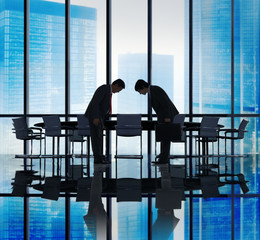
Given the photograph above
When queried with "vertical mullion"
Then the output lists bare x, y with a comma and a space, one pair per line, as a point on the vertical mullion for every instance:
67, 108
67, 59
149, 75
149, 137
191, 104
232, 120
108, 136
26, 103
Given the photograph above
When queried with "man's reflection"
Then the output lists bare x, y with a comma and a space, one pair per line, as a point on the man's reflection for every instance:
166, 221
96, 218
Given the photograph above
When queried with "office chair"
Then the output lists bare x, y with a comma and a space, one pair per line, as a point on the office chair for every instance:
240, 131
233, 134
207, 133
52, 126
23, 132
129, 125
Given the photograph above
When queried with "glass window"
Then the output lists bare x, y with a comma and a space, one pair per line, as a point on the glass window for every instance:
247, 218
170, 224
212, 216
129, 220
79, 228
12, 216
11, 56
246, 52
212, 57
88, 51
169, 42
129, 53
47, 218
248, 146
9, 146
47, 57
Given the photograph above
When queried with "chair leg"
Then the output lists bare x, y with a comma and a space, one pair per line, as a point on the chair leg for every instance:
141, 146
81, 148
45, 146
58, 146
116, 145
141, 156
40, 146
185, 158
141, 169
116, 167
31, 146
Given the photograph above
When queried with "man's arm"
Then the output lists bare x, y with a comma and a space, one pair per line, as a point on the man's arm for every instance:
95, 102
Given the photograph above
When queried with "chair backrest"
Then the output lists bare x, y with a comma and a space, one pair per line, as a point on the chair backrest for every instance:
179, 118
209, 127
83, 125
21, 128
52, 125
129, 119
129, 125
241, 128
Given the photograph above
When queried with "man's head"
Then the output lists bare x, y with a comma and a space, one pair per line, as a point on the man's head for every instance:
117, 85
141, 86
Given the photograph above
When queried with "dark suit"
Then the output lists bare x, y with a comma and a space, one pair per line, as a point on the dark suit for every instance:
98, 107
164, 108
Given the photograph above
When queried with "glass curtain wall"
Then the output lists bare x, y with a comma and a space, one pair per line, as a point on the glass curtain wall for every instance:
225, 82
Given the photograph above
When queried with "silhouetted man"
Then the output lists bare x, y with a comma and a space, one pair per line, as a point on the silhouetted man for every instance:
98, 110
164, 109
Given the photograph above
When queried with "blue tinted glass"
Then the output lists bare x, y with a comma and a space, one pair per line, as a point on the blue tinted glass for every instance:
212, 216
12, 216
247, 56
11, 56
78, 226
212, 57
247, 221
47, 57
47, 218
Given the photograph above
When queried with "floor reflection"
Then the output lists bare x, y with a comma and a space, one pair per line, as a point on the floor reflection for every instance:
169, 186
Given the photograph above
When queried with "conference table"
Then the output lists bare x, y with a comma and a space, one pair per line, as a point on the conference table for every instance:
147, 125
110, 125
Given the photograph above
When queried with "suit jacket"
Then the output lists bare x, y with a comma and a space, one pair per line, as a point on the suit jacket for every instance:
162, 104
99, 105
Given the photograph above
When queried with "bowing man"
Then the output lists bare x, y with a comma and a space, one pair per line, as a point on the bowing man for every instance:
164, 108
97, 111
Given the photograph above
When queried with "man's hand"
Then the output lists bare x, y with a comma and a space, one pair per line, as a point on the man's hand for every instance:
167, 120
96, 121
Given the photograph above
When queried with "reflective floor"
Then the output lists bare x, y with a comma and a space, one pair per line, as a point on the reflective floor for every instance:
169, 202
